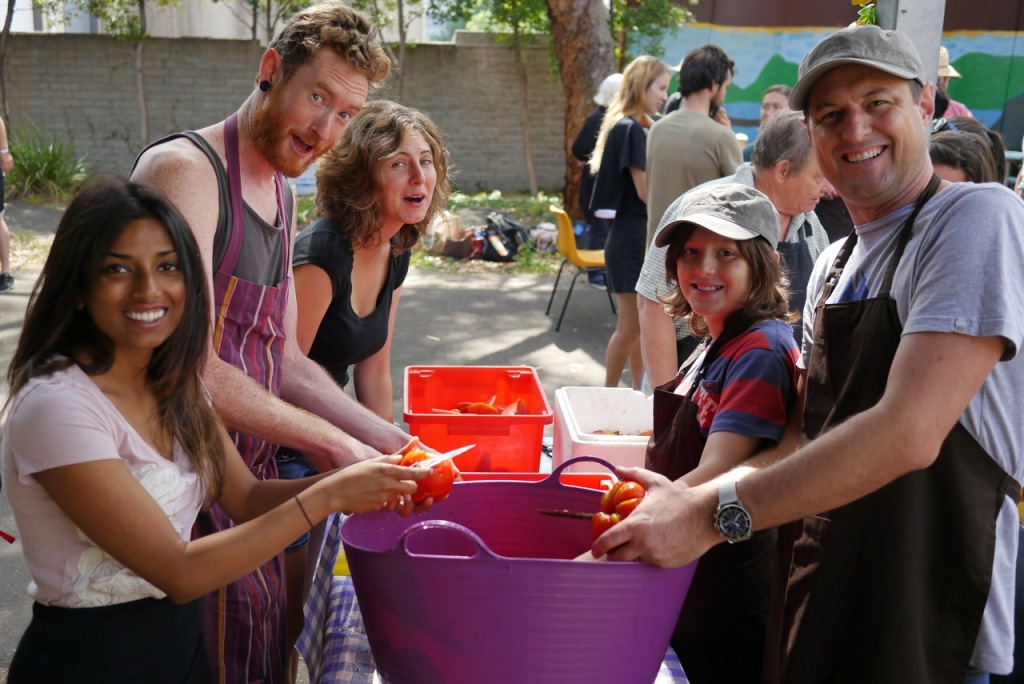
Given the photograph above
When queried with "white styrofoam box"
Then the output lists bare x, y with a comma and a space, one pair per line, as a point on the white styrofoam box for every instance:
581, 411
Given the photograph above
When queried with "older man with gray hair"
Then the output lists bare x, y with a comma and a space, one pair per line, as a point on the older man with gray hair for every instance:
783, 168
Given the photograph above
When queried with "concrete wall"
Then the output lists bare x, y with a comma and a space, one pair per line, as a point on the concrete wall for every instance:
82, 89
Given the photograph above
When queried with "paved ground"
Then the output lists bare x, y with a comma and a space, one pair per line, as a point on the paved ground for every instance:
444, 319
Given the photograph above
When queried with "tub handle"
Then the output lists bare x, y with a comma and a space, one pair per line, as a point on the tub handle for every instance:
553, 480
403, 540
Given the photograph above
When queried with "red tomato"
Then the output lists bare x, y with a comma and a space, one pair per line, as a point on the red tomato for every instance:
623, 490
626, 507
602, 522
438, 484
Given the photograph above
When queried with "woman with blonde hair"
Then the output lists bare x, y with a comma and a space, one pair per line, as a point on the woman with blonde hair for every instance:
619, 162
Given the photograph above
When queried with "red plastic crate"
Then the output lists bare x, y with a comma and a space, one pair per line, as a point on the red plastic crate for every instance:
503, 443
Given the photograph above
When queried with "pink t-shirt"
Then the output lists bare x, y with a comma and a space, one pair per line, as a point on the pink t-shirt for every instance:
957, 109
64, 419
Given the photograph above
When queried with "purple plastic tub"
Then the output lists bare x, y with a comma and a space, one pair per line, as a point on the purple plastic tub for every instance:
481, 588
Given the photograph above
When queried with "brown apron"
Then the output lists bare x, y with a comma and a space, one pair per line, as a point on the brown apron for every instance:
891, 587
720, 634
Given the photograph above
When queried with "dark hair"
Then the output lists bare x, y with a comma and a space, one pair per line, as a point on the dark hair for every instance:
782, 137
703, 68
768, 296
351, 174
941, 103
994, 140
58, 331
336, 27
967, 152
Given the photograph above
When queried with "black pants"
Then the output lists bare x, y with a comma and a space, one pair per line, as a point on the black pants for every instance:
149, 640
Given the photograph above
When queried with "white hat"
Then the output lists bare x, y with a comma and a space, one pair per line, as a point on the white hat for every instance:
606, 91
945, 68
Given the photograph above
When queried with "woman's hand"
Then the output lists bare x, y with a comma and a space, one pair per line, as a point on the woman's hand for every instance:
375, 484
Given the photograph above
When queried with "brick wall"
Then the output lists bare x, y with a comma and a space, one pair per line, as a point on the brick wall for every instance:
82, 89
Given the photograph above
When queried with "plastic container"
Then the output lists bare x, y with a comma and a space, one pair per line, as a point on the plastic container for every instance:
503, 443
581, 411
480, 588
598, 481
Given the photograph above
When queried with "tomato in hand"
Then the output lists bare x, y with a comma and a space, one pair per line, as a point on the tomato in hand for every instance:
601, 522
617, 503
623, 490
438, 484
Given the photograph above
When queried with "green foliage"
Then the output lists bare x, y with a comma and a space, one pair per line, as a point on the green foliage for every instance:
520, 206
501, 16
867, 14
646, 22
305, 210
45, 168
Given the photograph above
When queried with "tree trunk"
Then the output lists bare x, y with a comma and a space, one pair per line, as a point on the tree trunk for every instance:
586, 54
139, 84
524, 112
3, 56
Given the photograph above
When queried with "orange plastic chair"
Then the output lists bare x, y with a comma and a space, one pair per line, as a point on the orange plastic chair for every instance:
586, 261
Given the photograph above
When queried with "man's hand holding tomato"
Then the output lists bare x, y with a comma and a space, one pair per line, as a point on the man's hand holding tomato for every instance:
652, 532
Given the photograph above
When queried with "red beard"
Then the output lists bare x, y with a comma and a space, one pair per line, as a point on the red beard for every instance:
272, 138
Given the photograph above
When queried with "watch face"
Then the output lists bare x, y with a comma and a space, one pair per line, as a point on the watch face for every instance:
734, 522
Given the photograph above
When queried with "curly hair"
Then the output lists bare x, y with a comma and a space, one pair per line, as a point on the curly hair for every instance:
768, 296
59, 332
337, 27
351, 175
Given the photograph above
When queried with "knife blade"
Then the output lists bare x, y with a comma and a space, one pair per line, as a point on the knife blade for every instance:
441, 458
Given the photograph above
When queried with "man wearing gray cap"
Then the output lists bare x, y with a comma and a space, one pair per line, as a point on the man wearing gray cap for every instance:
904, 570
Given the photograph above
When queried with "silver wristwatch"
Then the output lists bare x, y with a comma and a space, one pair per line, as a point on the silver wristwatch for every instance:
731, 519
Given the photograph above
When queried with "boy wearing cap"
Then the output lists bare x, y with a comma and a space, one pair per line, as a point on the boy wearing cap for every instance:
913, 400
730, 401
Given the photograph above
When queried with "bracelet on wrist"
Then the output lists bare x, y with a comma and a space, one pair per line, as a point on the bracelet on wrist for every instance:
5, 151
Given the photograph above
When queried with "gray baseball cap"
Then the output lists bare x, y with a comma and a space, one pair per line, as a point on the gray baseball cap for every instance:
738, 212
889, 51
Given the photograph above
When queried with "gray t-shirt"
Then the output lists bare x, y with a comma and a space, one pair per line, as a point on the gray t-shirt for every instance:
962, 272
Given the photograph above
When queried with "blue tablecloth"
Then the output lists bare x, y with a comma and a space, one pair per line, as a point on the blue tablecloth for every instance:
333, 641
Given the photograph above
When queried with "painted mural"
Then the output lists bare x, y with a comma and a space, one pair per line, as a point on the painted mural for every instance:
991, 62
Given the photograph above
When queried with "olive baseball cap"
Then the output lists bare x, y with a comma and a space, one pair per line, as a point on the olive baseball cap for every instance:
889, 51
738, 212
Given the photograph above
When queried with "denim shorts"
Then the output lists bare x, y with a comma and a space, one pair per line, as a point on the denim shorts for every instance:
292, 465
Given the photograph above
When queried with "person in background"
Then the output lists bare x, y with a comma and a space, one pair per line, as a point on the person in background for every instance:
994, 139
774, 100
723, 273
111, 448
962, 157
6, 164
228, 180
619, 162
785, 170
909, 474
583, 146
596, 231
689, 146
946, 72
378, 190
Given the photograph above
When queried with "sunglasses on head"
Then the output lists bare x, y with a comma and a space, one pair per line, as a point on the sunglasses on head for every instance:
939, 125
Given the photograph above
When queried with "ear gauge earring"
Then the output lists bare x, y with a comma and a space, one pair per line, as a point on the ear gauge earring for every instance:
264, 85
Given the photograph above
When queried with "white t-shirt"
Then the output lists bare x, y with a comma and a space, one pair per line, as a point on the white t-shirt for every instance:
962, 272
64, 419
